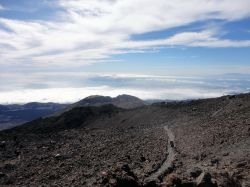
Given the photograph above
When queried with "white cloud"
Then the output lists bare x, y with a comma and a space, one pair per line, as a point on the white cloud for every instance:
74, 94
48, 87
90, 31
1, 7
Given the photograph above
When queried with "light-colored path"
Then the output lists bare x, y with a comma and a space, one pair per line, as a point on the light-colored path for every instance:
170, 157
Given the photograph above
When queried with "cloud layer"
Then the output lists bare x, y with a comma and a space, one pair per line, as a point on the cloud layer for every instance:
48, 87
84, 32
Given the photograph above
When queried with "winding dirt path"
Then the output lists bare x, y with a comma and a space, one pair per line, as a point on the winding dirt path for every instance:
169, 158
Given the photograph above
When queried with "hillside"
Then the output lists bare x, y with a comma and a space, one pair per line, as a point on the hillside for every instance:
192, 143
14, 115
121, 101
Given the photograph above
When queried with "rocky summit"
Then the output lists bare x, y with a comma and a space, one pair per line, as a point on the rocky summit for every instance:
200, 143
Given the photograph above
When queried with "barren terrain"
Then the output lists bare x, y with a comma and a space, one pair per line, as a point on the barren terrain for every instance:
194, 143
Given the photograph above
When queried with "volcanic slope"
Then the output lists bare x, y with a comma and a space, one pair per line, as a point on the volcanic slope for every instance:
15, 115
109, 146
122, 101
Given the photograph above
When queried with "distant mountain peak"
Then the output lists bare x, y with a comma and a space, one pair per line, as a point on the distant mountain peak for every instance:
126, 96
121, 101
94, 96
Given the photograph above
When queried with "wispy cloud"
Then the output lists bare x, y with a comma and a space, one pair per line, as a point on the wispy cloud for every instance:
90, 31
1, 7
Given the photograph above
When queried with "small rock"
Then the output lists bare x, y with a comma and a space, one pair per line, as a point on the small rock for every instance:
143, 159
171, 143
2, 144
215, 161
112, 181
195, 172
104, 173
52, 142
196, 157
232, 97
241, 164
128, 157
2, 174
104, 181
202, 156
58, 156
225, 154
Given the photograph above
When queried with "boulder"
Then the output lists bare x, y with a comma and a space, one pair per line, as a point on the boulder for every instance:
152, 183
2, 144
126, 181
173, 180
205, 180
195, 172
215, 161
2, 174
142, 158
241, 164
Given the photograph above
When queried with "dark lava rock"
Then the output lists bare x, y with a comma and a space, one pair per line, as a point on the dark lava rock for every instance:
241, 164
2, 144
171, 143
225, 154
203, 156
121, 176
6, 179
187, 184
173, 180
195, 172
232, 96
61, 157
215, 161
128, 171
126, 181
2, 174
143, 159
227, 180
151, 184
204, 180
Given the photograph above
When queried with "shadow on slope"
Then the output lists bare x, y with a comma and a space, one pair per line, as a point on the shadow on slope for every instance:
74, 118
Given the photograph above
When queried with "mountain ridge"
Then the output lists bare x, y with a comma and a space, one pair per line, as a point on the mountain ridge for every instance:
16, 114
121, 101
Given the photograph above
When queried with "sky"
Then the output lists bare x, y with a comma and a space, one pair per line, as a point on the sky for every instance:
65, 50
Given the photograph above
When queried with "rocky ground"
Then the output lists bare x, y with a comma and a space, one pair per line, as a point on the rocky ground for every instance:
218, 141
107, 146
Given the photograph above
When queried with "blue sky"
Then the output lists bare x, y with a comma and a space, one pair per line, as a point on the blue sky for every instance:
74, 45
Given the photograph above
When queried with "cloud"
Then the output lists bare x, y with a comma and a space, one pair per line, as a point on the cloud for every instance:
205, 38
85, 32
48, 87
75, 94
1, 7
